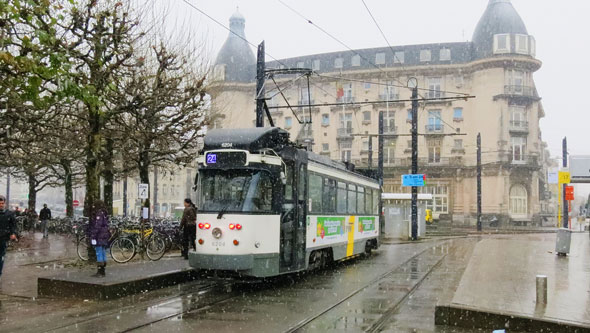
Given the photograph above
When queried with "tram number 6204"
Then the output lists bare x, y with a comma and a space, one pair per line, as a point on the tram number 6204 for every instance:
218, 243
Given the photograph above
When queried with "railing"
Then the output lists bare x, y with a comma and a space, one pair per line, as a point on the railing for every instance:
435, 94
345, 99
519, 90
519, 125
433, 129
389, 130
389, 97
522, 159
344, 132
306, 102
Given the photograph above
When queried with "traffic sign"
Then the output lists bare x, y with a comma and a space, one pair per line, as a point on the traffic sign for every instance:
552, 176
413, 180
569, 193
76, 203
564, 177
143, 190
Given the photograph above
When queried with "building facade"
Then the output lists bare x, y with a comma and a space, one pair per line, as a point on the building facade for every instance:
496, 67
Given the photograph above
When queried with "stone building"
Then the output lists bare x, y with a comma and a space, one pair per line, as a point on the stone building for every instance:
496, 66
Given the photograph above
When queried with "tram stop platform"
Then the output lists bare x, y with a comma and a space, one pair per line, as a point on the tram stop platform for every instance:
120, 280
498, 288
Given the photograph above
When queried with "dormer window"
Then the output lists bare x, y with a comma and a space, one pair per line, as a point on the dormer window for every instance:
380, 59
522, 44
445, 54
425, 55
355, 61
501, 43
338, 63
315, 65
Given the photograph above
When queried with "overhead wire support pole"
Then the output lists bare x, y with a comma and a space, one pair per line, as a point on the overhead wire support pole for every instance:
478, 181
260, 79
565, 202
380, 173
415, 160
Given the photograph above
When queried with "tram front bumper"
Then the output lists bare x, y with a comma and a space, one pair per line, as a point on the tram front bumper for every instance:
221, 262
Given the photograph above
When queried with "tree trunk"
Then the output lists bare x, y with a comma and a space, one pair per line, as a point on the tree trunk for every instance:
32, 191
108, 176
92, 160
67, 166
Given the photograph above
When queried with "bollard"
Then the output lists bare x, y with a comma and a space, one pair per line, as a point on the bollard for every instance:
541, 289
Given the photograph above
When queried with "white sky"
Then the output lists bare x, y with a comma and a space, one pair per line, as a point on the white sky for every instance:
560, 28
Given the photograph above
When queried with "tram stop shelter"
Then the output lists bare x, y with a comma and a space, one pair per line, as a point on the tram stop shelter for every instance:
398, 214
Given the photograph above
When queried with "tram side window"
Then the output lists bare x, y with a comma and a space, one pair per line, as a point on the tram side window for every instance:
329, 196
289, 185
341, 198
302, 179
369, 201
361, 200
315, 193
376, 202
351, 199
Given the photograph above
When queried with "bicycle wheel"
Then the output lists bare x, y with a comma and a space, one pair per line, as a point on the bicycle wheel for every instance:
155, 247
82, 248
122, 250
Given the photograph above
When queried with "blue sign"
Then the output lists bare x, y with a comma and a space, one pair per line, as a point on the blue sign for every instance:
211, 158
413, 180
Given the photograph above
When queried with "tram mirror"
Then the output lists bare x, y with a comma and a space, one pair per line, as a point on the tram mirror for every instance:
283, 178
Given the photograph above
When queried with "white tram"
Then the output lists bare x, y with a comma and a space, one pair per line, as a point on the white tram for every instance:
267, 207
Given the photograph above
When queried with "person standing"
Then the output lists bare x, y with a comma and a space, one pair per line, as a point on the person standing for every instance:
7, 230
99, 234
45, 216
188, 225
32, 219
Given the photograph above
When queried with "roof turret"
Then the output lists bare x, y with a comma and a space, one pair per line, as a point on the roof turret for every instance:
235, 54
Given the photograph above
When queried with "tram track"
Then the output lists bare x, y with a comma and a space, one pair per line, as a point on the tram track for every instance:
378, 324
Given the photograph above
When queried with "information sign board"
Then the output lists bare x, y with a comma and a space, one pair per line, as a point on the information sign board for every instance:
413, 180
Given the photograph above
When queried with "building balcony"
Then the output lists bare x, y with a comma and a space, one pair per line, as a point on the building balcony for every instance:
519, 126
390, 130
519, 91
524, 160
345, 99
344, 133
389, 97
434, 129
435, 94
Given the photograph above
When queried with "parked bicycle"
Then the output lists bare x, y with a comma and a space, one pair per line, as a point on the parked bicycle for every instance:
129, 242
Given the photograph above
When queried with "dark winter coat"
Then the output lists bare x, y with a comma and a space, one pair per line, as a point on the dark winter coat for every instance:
98, 228
7, 224
189, 216
45, 214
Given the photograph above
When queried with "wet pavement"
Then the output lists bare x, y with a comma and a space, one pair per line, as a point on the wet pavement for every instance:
501, 275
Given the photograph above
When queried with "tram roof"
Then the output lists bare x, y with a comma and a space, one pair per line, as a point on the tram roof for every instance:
251, 139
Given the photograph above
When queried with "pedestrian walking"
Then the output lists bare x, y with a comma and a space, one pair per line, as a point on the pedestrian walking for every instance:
7, 230
32, 219
188, 225
45, 216
99, 235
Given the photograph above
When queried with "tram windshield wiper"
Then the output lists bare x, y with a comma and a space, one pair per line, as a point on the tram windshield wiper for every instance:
222, 211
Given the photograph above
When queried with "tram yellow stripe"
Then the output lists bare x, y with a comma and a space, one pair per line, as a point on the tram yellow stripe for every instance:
350, 245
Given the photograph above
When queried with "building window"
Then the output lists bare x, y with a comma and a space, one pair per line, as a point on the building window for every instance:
325, 119
325, 147
346, 121
315, 65
458, 144
346, 150
518, 201
501, 43
522, 44
344, 93
365, 145
434, 121
390, 93
366, 116
425, 55
306, 96
380, 59
389, 151
445, 54
458, 114
434, 149
518, 117
389, 122
399, 57
440, 198
434, 87
338, 63
533, 46
515, 82
355, 61
288, 122
518, 149
300, 64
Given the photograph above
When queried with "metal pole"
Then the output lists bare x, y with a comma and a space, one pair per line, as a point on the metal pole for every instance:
478, 181
565, 203
380, 172
415, 161
156, 208
125, 197
260, 76
370, 152
8, 191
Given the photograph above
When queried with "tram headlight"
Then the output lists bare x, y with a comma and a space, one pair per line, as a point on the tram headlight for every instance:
207, 226
238, 227
201, 225
232, 226
216, 233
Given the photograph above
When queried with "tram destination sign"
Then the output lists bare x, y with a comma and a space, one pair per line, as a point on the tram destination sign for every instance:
226, 158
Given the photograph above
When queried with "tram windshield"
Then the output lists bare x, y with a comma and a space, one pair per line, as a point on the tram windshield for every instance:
235, 191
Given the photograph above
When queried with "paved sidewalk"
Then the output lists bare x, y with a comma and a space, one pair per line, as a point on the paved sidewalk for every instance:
501, 275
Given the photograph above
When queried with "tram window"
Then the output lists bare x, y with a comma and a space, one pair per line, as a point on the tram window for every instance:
341, 198
315, 192
289, 185
361, 200
302, 179
329, 196
376, 202
351, 199
262, 199
369, 201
